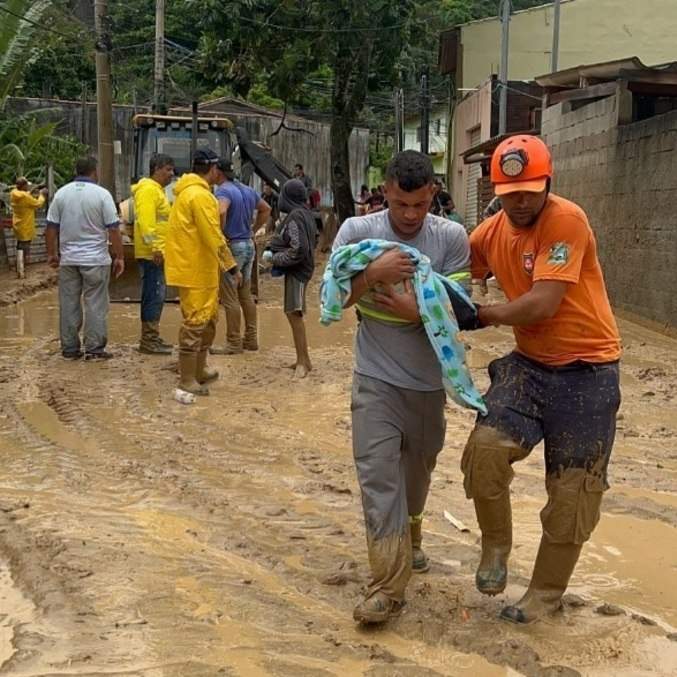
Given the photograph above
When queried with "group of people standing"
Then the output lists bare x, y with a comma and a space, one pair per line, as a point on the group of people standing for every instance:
203, 245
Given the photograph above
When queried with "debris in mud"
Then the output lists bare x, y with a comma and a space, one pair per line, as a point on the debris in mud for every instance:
574, 601
643, 620
558, 671
247, 581
337, 490
672, 636
456, 522
378, 653
346, 573
610, 610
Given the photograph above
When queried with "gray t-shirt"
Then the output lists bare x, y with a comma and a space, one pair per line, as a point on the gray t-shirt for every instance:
83, 212
401, 354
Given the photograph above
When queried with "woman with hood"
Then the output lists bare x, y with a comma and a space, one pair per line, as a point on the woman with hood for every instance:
292, 253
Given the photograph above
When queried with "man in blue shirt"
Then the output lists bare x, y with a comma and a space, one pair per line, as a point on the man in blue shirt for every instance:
237, 300
255, 203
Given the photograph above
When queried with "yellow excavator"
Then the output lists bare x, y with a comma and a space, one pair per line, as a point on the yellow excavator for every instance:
179, 137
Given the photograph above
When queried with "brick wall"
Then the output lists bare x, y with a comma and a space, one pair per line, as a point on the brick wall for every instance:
625, 177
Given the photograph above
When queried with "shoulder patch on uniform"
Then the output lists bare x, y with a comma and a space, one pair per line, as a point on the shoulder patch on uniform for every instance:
559, 254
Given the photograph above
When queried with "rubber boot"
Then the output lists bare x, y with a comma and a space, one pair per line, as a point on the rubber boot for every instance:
378, 608
205, 375
151, 344
555, 563
187, 374
251, 336
419, 561
495, 520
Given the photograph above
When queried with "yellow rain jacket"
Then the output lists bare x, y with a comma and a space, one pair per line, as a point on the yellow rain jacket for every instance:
195, 249
151, 211
23, 213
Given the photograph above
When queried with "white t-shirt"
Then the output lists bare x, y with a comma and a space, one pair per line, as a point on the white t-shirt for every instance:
83, 212
401, 354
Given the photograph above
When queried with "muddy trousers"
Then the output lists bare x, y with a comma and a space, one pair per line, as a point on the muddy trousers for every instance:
83, 286
397, 435
573, 410
199, 308
239, 301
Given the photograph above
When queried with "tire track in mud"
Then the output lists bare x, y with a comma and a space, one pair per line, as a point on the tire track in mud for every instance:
240, 522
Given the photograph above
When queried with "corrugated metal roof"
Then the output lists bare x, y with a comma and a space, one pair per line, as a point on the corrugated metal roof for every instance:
630, 68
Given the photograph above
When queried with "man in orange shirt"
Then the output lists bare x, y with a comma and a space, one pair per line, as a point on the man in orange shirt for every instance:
560, 386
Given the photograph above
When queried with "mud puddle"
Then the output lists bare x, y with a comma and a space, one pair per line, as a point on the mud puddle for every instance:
227, 538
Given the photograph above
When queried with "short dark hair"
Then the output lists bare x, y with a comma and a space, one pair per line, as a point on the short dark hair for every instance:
445, 198
201, 169
298, 167
86, 166
411, 170
160, 160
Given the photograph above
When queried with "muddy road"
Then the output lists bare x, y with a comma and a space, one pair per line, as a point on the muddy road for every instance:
142, 537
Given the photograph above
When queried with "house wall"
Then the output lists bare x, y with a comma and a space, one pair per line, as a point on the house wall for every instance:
439, 131
473, 112
624, 178
592, 31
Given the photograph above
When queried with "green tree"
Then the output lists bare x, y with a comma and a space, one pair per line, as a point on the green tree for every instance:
27, 147
19, 23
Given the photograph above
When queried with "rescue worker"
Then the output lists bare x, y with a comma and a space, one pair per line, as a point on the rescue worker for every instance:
24, 204
151, 211
195, 253
398, 397
560, 386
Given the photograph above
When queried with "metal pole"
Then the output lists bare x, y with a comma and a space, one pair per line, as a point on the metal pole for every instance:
555, 37
503, 74
396, 103
425, 113
401, 129
83, 115
194, 131
104, 98
159, 72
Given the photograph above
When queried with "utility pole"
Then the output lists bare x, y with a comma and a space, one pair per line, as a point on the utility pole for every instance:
398, 102
159, 74
554, 66
506, 6
104, 98
425, 111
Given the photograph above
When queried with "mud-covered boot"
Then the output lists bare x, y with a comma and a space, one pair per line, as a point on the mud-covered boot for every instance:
555, 563
187, 374
150, 343
495, 520
378, 608
419, 561
205, 375
228, 349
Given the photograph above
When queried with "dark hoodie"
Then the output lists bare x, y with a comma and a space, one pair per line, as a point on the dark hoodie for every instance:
293, 245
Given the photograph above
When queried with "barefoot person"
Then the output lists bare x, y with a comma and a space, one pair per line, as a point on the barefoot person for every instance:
292, 252
195, 254
398, 393
561, 384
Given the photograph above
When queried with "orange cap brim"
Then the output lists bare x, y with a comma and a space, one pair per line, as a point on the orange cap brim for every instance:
535, 186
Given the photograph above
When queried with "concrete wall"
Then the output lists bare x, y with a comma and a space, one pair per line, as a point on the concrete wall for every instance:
69, 115
625, 177
592, 31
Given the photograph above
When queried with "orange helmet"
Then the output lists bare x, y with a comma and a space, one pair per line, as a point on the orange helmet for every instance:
521, 163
